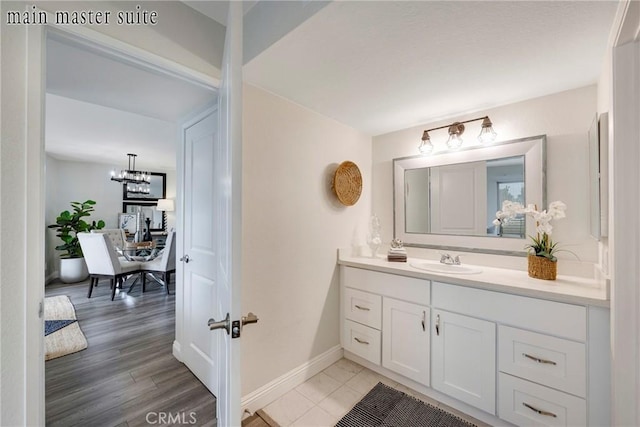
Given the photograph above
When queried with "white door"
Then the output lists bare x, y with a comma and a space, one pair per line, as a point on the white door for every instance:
459, 199
211, 225
200, 288
405, 339
463, 359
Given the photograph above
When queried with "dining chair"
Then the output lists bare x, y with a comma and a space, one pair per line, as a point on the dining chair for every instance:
103, 261
163, 265
116, 235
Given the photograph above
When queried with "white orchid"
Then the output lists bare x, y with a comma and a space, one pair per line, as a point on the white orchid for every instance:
542, 244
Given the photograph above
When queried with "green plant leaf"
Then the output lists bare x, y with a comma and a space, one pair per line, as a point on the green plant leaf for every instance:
69, 225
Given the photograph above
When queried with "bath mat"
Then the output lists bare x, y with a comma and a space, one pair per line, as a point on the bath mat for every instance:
386, 407
62, 332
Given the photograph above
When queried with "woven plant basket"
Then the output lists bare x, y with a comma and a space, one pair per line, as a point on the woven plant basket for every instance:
542, 268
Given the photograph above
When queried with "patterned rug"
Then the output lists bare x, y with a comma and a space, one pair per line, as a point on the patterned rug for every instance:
61, 329
387, 407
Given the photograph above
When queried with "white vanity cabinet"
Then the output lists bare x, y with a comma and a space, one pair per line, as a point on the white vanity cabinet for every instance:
541, 364
497, 355
362, 318
463, 353
405, 339
385, 320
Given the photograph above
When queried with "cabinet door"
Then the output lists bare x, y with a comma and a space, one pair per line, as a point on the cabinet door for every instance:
405, 339
463, 354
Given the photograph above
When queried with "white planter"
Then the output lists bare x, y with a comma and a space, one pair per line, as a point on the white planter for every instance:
73, 270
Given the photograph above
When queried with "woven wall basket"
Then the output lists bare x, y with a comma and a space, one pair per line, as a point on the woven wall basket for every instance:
542, 268
347, 183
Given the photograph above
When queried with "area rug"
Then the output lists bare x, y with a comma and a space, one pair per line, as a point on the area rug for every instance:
387, 407
62, 331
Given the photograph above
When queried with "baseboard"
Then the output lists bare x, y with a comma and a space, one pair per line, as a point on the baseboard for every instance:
51, 277
268, 393
177, 350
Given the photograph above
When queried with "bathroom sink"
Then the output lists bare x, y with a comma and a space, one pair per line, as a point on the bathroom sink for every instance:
437, 267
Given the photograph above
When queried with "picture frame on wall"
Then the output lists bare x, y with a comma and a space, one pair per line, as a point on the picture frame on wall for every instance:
147, 210
157, 189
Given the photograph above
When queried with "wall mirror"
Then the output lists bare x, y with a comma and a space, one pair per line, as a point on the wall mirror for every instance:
148, 210
157, 189
448, 200
598, 183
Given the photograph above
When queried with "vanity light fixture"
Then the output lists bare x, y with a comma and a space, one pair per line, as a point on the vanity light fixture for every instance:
137, 181
456, 129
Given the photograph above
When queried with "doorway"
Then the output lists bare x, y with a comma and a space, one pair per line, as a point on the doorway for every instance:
128, 374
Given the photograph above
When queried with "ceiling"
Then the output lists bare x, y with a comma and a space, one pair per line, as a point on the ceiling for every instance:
104, 106
217, 10
389, 65
375, 66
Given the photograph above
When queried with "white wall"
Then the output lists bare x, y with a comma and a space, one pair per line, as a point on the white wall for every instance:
68, 181
564, 117
181, 34
292, 227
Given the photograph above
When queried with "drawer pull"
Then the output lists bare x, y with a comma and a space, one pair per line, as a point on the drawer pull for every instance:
424, 319
361, 341
538, 411
537, 359
359, 307
438, 325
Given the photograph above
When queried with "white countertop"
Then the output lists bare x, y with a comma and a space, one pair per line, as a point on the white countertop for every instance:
569, 289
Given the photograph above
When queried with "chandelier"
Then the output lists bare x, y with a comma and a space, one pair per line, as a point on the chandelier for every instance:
137, 181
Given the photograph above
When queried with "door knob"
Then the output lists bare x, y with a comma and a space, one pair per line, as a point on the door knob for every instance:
222, 324
249, 319
185, 259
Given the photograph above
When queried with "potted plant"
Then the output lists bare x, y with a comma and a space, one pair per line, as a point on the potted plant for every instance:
542, 261
69, 224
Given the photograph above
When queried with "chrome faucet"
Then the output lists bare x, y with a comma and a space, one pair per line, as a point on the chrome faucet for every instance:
449, 260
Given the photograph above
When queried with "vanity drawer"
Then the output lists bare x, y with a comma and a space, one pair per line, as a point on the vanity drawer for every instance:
549, 317
362, 341
363, 307
527, 404
546, 360
410, 289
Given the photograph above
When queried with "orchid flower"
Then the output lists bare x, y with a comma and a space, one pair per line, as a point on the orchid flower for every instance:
542, 244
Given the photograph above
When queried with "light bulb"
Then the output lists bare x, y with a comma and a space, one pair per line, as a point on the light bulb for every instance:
425, 147
454, 142
487, 135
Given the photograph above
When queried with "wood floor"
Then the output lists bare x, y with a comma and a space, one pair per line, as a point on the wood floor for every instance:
128, 375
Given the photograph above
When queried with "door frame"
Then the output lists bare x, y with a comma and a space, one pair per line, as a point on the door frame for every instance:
624, 227
36, 38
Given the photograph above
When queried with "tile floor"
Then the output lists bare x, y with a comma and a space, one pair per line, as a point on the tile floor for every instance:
325, 398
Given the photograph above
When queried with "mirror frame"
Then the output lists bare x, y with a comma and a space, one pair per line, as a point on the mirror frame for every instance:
535, 165
150, 197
